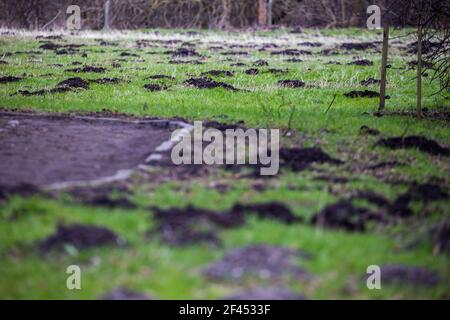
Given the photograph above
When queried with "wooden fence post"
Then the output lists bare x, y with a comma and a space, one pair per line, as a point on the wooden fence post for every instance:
419, 71
384, 67
106, 11
262, 12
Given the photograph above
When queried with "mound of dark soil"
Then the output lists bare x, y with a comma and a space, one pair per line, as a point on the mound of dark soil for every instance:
294, 60
370, 82
291, 52
80, 236
73, 83
260, 261
153, 87
365, 130
252, 71
358, 46
128, 54
106, 81
363, 62
310, 44
124, 294
22, 189
404, 274
218, 73
427, 47
298, 159
343, 215
424, 192
261, 63
416, 142
207, 83
238, 64
196, 62
277, 71
276, 293
235, 53
3, 62
362, 94
7, 79
88, 69
43, 92
184, 52
160, 76
191, 225
291, 83
109, 202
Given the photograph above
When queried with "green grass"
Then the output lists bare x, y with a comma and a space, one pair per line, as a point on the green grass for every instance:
340, 258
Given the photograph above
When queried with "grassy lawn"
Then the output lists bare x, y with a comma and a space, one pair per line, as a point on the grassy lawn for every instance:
339, 258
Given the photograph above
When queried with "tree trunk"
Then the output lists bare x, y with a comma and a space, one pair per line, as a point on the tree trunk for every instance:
270, 13
384, 67
419, 71
262, 12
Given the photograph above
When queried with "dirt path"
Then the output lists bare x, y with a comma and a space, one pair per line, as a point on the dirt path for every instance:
44, 150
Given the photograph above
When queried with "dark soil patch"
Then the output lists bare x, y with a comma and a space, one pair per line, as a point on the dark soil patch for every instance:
404, 274
106, 201
370, 82
365, 130
261, 63
124, 294
7, 79
80, 236
424, 192
298, 159
218, 73
343, 215
3, 62
43, 92
358, 46
276, 293
196, 62
88, 69
294, 60
190, 225
310, 44
106, 81
73, 83
252, 72
291, 52
153, 87
291, 83
223, 126
238, 64
207, 83
128, 54
277, 71
261, 261
362, 94
184, 52
22, 189
363, 62
415, 142
160, 76
235, 53
51, 149
427, 47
